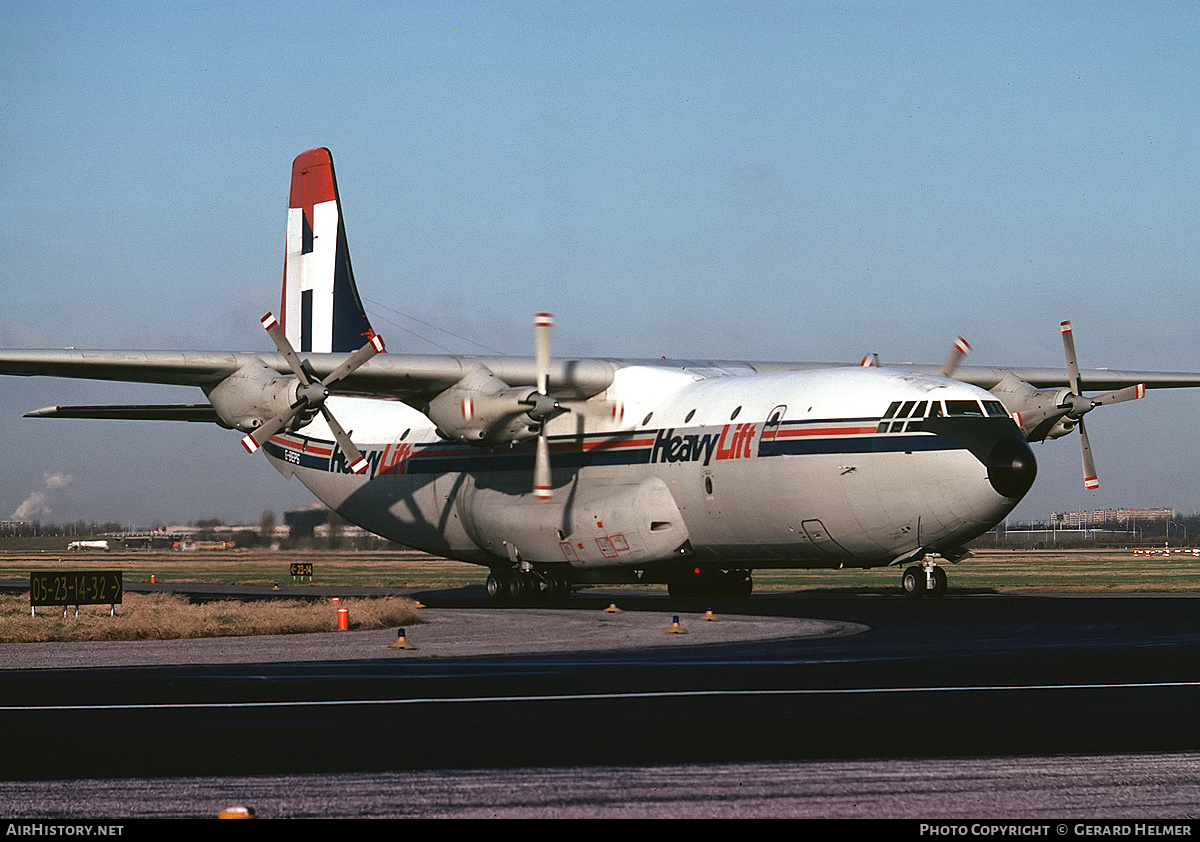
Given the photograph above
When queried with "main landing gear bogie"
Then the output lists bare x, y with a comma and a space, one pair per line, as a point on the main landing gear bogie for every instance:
924, 580
527, 585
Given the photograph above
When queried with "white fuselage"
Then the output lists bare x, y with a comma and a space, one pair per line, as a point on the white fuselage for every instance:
731, 468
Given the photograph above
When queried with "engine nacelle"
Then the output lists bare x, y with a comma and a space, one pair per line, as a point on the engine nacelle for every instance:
1061, 427
482, 409
1040, 413
253, 394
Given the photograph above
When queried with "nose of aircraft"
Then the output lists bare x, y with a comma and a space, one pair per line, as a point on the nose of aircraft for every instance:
1011, 467
999, 445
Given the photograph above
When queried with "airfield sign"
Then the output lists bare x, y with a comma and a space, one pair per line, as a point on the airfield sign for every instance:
75, 587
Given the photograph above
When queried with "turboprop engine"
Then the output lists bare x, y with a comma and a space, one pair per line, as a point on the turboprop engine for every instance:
1050, 413
482, 409
259, 401
1040, 413
246, 399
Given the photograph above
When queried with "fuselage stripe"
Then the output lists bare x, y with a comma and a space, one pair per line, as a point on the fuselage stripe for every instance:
825, 437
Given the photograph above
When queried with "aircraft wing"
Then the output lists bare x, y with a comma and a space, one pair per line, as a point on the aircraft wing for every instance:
987, 377
416, 377
411, 378
179, 368
1092, 379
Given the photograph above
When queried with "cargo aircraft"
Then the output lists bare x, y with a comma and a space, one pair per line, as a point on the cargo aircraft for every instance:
560, 472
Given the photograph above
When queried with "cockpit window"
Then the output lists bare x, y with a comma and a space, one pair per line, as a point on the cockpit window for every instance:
908, 409
894, 420
964, 408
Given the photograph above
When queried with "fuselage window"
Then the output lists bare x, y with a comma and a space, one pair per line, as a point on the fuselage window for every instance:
735, 413
689, 416
964, 408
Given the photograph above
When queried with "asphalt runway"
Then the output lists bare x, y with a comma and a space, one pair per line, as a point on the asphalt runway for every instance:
772, 689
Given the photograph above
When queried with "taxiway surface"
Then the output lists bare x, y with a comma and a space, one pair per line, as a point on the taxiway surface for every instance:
790, 679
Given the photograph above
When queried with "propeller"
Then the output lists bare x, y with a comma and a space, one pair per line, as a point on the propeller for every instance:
957, 354
1080, 404
542, 407
311, 395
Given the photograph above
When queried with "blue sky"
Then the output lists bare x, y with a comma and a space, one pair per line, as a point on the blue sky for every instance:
807, 180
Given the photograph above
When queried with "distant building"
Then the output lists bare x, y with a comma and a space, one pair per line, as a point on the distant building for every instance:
1111, 518
302, 523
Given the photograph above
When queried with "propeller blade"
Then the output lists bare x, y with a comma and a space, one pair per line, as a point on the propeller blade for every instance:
542, 323
1129, 393
354, 457
957, 353
1072, 360
253, 441
1090, 481
542, 488
285, 347
543, 410
374, 346
597, 409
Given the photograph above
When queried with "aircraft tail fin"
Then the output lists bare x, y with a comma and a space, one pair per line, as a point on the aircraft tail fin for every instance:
321, 310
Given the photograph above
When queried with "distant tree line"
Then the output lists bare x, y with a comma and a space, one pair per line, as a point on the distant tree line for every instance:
37, 529
1182, 530
311, 529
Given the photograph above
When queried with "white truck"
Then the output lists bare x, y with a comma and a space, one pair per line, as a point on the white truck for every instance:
75, 546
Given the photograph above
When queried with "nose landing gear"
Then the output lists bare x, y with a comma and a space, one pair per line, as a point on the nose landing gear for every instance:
925, 579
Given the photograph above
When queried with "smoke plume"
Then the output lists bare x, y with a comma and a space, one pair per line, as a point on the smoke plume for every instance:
37, 504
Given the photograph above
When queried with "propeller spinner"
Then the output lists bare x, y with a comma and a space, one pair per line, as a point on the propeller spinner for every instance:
310, 396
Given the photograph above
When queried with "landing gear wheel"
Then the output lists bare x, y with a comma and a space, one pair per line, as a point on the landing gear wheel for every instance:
497, 587
559, 587
913, 582
939, 583
522, 587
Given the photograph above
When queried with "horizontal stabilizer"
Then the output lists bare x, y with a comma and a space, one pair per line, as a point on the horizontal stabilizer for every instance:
131, 412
